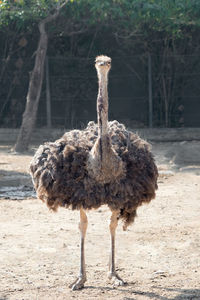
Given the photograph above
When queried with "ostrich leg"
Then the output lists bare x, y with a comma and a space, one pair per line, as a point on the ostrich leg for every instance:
79, 282
112, 272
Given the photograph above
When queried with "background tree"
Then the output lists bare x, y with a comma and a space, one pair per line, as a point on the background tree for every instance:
35, 84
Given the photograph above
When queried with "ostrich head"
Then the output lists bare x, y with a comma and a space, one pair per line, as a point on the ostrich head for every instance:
103, 64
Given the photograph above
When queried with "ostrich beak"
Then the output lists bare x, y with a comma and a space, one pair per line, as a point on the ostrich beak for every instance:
102, 63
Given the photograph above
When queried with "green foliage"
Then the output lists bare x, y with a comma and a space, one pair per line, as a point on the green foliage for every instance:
169, 15
24, 14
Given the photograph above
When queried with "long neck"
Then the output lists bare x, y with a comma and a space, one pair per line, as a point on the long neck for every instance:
104, 164
102, 104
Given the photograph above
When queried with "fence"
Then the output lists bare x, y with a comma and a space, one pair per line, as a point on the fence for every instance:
73, 89
144, 91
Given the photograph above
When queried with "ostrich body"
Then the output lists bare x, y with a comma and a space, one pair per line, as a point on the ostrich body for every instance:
102, 164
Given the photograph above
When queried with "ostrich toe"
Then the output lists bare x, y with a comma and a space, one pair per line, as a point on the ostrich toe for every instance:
78, 283
116, 280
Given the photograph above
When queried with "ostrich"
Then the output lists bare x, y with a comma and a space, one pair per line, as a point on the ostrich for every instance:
104, 164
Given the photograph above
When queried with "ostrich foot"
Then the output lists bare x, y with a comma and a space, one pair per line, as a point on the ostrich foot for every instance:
78, 283
116, 280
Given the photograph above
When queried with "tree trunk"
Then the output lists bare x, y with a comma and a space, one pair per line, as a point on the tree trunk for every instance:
35, 86
34, 91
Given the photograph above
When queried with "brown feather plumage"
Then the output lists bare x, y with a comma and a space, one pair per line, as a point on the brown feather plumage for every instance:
60, 175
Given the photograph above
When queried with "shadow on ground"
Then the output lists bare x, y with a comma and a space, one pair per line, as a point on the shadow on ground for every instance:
189, 294
181, 294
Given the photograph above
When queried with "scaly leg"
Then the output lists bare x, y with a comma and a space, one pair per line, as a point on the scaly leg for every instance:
79, 282
112, 272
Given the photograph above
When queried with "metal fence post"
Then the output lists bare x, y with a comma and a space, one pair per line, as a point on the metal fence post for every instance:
48, 95
150, 91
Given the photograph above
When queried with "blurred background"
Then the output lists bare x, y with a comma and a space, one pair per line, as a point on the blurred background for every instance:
154, 46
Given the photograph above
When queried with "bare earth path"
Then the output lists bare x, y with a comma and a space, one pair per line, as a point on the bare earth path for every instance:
159, 256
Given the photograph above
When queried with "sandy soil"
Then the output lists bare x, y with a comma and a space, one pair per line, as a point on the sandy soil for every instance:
158, 256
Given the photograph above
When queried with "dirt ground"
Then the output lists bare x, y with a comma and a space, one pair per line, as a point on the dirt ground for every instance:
158, 256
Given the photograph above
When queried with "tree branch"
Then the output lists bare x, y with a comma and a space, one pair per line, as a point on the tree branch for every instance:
51, 17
